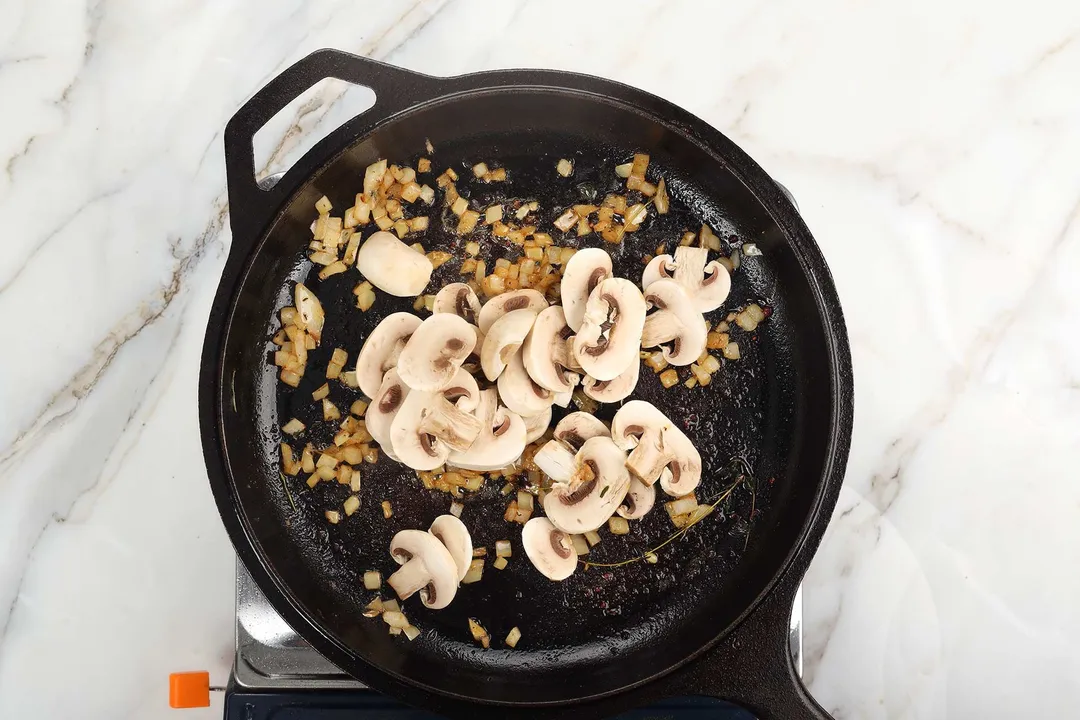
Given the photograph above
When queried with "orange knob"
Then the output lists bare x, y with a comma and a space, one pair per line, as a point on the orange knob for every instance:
189, 689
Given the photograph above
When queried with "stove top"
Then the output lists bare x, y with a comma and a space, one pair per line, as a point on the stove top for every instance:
277, 674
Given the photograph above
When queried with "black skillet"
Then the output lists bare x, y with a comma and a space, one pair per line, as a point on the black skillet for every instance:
711, 617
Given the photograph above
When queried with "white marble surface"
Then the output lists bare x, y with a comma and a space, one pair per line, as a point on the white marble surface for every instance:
934, 149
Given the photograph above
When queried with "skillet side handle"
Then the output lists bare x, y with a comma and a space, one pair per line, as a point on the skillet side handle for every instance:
753, 667
251, 204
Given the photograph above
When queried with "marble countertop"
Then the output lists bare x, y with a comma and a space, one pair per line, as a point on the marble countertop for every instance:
933, 148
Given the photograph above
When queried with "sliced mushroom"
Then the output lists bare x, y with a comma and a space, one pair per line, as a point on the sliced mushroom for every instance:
501, 440
450, 424
415, 448
590, 496
310, 311
536, 425
639, 500
611, 391
549, 549
458, 299
503, 339
426, 565
563, 399
508, 302
675, 321
577, 427
392, 266
384, 408
707, 283
518, 391
546, 353
382, 349
455, 537
659, 449
610, 333
583, 272
435, 351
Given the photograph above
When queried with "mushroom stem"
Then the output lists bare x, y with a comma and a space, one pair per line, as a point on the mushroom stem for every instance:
556, 461
649, 458
411, 577
454, 427
660, 327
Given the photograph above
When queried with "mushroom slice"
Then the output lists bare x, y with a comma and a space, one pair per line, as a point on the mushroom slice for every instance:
503, 339
382, 349
594, 491
458, 299
426, 565
611, 391
546, 353
508, 302
518, 391
430, 425
660, 450
384, 408
639, 500
577, 427
610, 333
549, 549
454, 536
536, 425
556, 460
414, 447
310, 310
392, 266
707, 283
675, 321
501, 440
435, 351
583, 272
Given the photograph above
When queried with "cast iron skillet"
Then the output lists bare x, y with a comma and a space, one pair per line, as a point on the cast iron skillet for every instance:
710, 618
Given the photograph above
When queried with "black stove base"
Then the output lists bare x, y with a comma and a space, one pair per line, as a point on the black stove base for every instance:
367, 705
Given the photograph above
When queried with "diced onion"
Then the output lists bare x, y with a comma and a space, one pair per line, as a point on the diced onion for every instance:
387, 511
731, 352
669, 378
394, 618
372, 580
322, 205
479, 170
500, 563
503, 549
412, 632
391, 605
592, 537
476, 571
352, 503
623, 170
581, 545
525, 500
333, 516
513, 637
564, 168
618, 525
456, 508
292, 427
682, 505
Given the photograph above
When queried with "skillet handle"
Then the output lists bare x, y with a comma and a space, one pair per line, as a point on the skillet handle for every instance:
250, 204
753, 666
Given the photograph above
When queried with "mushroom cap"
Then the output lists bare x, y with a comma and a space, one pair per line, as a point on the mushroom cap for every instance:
462, 390
518, 391
439, 563
611, 391
414, 447
503, 339
544, 346
610, 335
583, 272
549, 549
382, 348
674, 321
392, 266
310, 310
536, 425
453, 534
598, 492
577, 427
707, 283
432, 356
639, 500
508, 302
682, 475
384, 408
501, 440
457, 299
